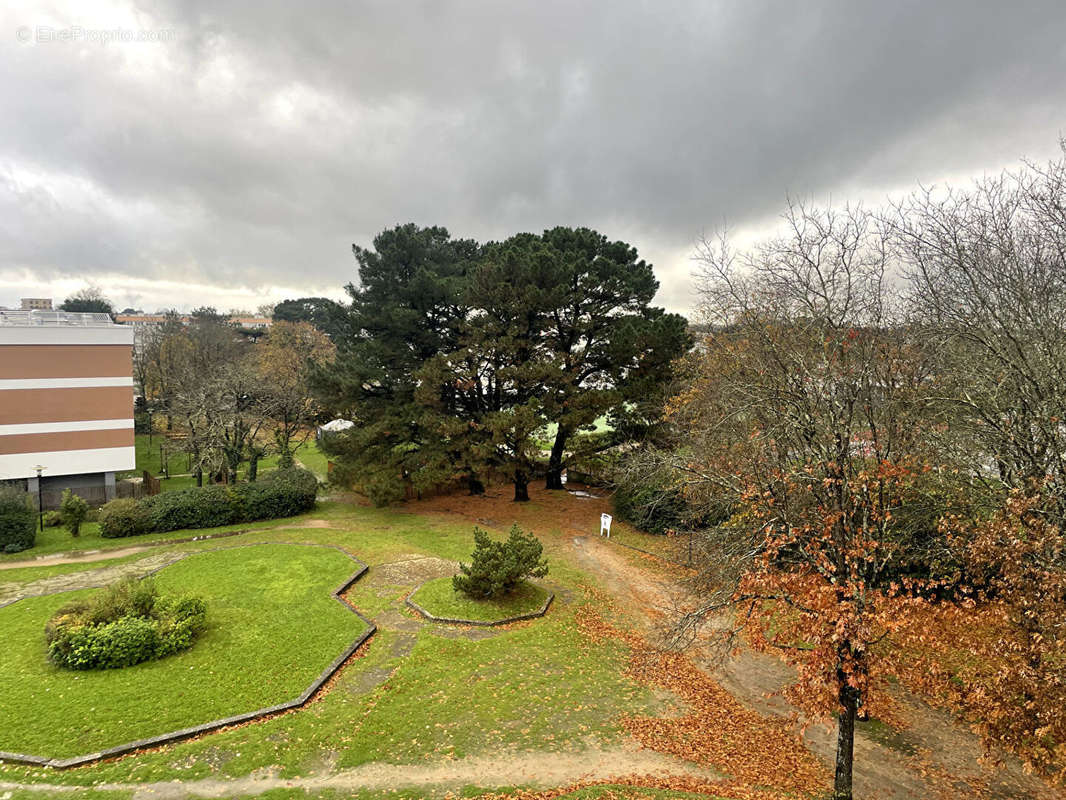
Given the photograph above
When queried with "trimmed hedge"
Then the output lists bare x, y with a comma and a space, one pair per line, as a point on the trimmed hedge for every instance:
125, 624
282, 493
18, 520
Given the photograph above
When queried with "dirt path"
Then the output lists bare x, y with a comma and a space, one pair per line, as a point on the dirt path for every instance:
882, 769
542, 770
85, 558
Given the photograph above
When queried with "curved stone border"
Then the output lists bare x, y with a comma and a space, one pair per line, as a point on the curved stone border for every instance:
540, 612
214, 725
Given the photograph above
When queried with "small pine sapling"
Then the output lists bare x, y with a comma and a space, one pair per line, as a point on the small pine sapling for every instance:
496, 568
72, 511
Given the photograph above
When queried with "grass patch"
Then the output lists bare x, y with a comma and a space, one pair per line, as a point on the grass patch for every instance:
440, 599
149, 458
418, 695
272, 628
313, 459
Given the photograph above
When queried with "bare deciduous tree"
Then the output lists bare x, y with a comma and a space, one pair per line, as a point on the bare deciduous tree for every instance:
804, 415
987, 271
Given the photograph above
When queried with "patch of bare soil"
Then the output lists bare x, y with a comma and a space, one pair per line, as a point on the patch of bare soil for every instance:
947, 764
307, 523
410, 571
545, 511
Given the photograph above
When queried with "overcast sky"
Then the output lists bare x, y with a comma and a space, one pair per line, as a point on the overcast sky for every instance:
235, 155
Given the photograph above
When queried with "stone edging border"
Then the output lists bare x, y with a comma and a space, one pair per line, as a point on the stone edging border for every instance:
214, 725
540, 612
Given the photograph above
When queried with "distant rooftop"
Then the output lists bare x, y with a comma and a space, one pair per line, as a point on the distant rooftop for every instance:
54, 319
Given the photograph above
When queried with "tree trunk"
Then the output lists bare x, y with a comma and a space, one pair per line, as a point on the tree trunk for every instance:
521, 487
849, 700
199, 476
474, 484
555, 460
253, 467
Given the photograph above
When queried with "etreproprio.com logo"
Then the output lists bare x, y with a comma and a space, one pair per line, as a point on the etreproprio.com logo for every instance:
46, 34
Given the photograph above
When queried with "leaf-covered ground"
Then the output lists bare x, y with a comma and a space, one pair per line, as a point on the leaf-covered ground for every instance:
576, 700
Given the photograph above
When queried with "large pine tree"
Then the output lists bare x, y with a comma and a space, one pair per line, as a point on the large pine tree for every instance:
611, 348
458, 359
406, 309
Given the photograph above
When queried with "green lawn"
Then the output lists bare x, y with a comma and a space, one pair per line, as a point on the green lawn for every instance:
272, 628
149, 457
420, 693
57, 540
313, 459
440, 599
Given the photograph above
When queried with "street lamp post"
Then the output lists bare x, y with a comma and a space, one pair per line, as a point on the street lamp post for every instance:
149, 429
40, 500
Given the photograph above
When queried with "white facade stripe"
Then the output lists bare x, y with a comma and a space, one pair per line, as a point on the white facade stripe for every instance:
62, 383
67, 462
38, 334
21, 428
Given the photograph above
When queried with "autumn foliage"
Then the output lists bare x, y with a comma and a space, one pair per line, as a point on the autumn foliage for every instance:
716, 730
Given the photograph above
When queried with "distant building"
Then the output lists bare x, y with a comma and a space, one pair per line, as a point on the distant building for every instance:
147, 320
66, 403
251, 322
36, 303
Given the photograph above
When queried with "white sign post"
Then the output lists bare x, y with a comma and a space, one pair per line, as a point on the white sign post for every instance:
605, 525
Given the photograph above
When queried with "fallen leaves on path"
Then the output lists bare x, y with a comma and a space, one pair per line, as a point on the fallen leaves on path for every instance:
717, 730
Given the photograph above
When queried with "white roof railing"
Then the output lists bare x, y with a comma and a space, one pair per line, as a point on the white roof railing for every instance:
55, 319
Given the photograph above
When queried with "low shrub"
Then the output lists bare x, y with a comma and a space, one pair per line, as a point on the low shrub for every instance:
196, 507
72, 511
282, 493
125, 624
124, 517
496, 568
18, 520
52, 519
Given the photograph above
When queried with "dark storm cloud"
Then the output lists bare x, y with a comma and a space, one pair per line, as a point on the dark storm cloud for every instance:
261, 141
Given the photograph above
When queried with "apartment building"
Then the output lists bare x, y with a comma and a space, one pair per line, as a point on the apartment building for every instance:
66, 403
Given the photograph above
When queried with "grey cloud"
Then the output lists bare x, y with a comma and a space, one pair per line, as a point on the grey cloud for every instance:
649, 120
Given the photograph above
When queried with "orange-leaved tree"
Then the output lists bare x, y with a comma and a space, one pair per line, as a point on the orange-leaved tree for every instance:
803, 417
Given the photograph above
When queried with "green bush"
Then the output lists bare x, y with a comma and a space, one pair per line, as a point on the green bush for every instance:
124, 517
52, 519
282, 493
196, 507
72, 511
18, 520
656, 507
124, 624
496, 568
